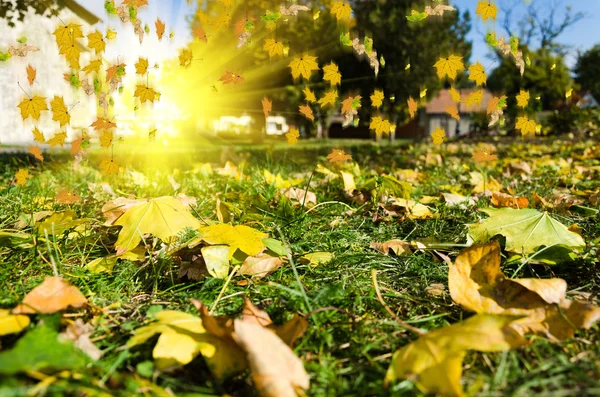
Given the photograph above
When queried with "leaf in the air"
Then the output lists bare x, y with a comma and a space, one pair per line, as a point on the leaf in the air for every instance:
96, 42
477, 74
377, 99
341, 10
522, 98
21, 177
163, 217
309, 95
452, 110
307, 112
486, 9
273, 47
380, 125
416, 16
292, 136
438, 136
412, 107
525, 230
145, 93
31, 74
160, 28
32, 107
329, 98
267, 106
60, 112
449, 66
526, 126
36, 152
54, 294
109, 167
141, 66
338, 156
474, 98
303, 66
434, 361
244, 238
332, 74
58, 139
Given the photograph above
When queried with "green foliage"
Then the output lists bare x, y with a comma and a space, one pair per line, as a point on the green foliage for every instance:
587, 71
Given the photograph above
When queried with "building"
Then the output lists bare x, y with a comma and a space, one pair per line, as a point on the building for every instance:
587, 101
435, 116
50, 66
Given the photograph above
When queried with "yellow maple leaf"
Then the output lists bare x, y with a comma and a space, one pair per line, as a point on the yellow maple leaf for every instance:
307, 112
455, 94
58, 139
310, 96
96, 41
109, 167
292, 136
185, 58
60, 112
474, 98
377, 99
36, 152
32, 107
452, 110
273, 47
111, 34
106, 139
485, 156
380, 125
332, 74
244, 238
486, 9
141, 66
522, 98
329, 98
477, 74
412, 107
38, 136
526, 125
303, 66
93, 66
66, 34
438, 136
449, 66
341, 10
22, 176
145, 93
72, 54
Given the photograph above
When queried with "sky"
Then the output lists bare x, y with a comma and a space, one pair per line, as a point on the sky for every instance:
579, 37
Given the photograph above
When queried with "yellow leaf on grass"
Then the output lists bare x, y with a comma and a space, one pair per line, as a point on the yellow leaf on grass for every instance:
163, 217
216, 258
332, 74
12, 323
54, 294
32, 107
260, 266
303, 66
477, 74
449, 66
60, 112
486, 9
244, 238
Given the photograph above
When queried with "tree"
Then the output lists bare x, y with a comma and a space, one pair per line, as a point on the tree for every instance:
587, 70
14, 11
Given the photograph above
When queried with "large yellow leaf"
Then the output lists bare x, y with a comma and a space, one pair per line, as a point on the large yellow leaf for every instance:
486, 9
449, 66
163, 217
32, 107
377, 98
244, 238
145, 93
96, 41
66, 34
477, 74
329, 98
303, 66
332, 74
341, 10
60, 112
273, 47
434, 361
380, 125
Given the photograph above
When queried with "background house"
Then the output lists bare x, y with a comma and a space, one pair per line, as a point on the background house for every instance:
434, 115
50, 67
588, 101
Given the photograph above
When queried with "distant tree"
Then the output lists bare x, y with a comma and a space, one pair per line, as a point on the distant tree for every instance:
15, 10
587, 70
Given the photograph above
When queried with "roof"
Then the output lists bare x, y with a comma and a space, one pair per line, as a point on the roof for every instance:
439, 104
80, 11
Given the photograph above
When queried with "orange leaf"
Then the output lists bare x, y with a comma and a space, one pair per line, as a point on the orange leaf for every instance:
506, 200
452, 110
307, 112
412, 107
160, 29
31, 74
230, 77
198, 33
36, 152
53, 295
338, 156
67, 197
267, 106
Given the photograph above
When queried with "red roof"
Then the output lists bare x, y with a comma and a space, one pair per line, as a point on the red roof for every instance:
443, 99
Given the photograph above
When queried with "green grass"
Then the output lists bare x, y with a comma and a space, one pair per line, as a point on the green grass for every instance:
348, 345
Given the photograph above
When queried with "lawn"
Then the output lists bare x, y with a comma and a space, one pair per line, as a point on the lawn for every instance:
352, 333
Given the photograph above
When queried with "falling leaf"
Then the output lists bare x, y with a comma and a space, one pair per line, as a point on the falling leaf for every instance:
416, 16
309, 95
137, 29
21, 177
31, 74
434, 361
438, 136
53, 295
67, 197
109, 167
36, 152
303, 66
58, 139
244, 238
329, 98
198, 33
350, 104
522, 99
292, 9
267, 106
72, 54
111, 34
160, 28
60, 112
273, 47
32, 107
307, 112
163, 217
185, 58
106, 139
11, 323
231, 78
66, 34
452, 110
449, 66
103, 124
474, 98
377, 99
93, 66
455, 95
96, 42
145, 93
338, 156
292, 136
141, 66
486, 9
38, 136
341, 10
412, 107
439, 10
332, 74
380, 125
477, 74
525, 125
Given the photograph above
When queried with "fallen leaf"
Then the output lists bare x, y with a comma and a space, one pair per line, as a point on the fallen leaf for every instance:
314, 259
398, 247
501, 200
54, 294
260, 266
79, 333
244, 238
216, 258
12, 323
